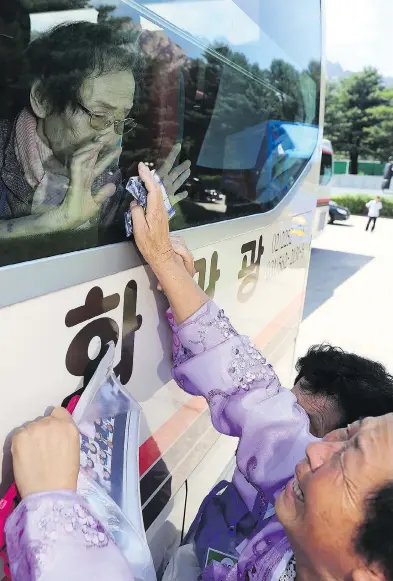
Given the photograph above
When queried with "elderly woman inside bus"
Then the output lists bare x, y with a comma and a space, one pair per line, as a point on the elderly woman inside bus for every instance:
333, 497
59, 157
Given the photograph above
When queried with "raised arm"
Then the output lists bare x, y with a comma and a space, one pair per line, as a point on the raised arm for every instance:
245, 397
213, 360
151, 232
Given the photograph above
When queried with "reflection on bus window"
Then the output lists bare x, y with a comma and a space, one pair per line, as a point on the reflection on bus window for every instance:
326, 173
101, 88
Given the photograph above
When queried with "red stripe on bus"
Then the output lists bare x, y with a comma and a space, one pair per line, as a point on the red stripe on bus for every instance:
171, 430
323, 202
158, 443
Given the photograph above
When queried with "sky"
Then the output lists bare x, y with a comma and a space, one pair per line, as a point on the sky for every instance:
360, 33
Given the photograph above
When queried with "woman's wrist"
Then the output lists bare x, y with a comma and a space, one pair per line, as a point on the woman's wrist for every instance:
184, 295
163, 263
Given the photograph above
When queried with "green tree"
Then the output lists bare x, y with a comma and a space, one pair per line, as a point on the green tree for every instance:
335, 119
237, 95
380, 133
350, 112
118, 23
313, 73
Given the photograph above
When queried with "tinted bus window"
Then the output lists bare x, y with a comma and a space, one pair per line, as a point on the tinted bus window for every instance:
326, 172
91, 89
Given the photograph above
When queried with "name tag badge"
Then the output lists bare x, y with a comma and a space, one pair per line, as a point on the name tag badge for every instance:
223, 558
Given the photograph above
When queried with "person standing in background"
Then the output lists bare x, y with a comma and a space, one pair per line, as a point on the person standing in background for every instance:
374, 207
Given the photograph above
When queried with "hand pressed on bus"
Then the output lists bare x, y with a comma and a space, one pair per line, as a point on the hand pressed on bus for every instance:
151, 233
46, 455
151, 229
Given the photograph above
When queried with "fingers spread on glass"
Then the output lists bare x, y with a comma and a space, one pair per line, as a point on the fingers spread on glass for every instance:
179, 197
170, 160
174, 177
106, 161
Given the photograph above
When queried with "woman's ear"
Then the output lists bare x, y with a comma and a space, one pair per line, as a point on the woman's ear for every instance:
37, 103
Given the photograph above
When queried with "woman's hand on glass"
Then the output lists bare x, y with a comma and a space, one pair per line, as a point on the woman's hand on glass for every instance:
174, 177
80, 205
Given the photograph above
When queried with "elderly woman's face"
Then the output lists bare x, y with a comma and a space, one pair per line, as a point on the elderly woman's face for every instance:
322, 507
109, 95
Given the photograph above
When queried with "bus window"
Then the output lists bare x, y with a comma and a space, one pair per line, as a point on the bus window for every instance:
326, 172
230, 80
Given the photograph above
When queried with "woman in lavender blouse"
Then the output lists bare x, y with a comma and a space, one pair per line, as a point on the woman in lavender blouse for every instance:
332, 506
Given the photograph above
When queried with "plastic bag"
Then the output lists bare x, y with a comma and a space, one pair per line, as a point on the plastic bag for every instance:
108, 421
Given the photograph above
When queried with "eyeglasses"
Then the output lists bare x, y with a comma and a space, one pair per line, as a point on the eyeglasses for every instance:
100, 122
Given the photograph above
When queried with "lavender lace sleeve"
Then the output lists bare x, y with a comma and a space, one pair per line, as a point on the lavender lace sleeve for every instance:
54, 537
210, 358
244, 395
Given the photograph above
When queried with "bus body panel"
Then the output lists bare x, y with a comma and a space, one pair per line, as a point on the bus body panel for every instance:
324, 192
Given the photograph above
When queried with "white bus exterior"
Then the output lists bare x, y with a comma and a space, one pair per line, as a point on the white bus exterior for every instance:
325, 188
239, 85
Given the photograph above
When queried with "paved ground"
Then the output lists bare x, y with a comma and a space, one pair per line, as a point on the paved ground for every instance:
349, 299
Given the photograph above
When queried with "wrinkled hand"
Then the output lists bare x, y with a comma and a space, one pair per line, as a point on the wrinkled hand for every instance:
46, 454
80, 205
174, 177
151, 228
183, 255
